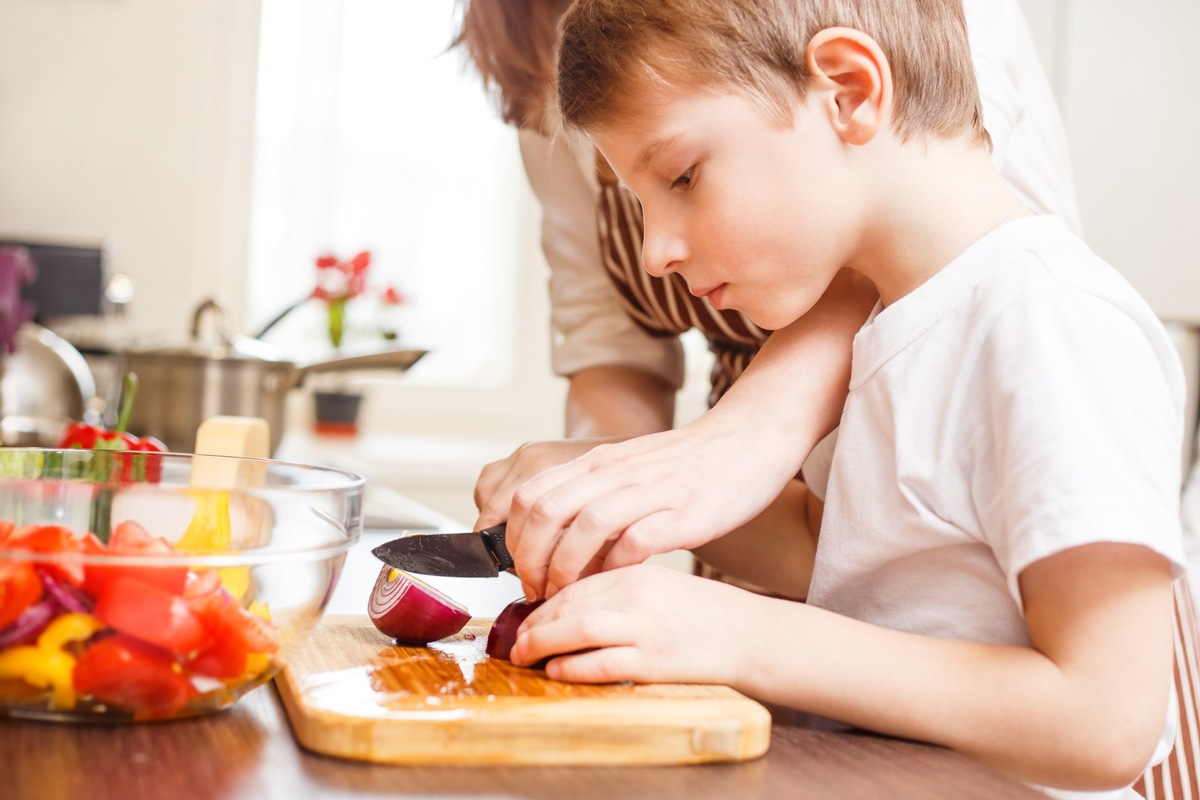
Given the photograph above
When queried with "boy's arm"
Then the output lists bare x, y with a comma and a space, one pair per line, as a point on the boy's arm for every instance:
618, 402
1081, 708
624, 502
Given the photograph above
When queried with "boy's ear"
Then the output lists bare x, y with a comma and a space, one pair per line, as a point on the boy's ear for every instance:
851, 69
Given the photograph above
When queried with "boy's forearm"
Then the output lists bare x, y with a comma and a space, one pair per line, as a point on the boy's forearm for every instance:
792, 392
1011, 707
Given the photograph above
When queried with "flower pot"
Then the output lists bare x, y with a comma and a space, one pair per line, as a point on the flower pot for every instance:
336, 413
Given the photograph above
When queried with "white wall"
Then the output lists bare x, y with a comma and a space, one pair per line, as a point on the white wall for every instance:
1124, 75
130, 122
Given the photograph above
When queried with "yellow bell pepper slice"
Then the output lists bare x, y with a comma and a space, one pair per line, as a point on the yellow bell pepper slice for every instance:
69, 628
45, 669
210, 529
46, 665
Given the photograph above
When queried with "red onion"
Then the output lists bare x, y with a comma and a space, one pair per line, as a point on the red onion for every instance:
65, 594
412, 612
503, 634
31, 622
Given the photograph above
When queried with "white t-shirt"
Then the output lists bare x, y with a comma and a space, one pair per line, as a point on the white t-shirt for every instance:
589, 328
1023, 401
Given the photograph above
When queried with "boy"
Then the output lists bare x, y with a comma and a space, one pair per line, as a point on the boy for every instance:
1001, 522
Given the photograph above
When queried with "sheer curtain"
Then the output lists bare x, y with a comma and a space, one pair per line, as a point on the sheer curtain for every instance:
370, 136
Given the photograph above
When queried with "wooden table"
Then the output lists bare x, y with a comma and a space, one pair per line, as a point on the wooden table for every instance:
248, 753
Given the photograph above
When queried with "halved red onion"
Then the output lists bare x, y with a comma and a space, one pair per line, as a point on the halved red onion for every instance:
31, 622
503, 634
412, 612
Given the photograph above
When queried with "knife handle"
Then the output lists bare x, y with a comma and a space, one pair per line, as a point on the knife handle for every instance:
493, 538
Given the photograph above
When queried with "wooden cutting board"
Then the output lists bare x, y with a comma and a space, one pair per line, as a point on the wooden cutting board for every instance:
350, 692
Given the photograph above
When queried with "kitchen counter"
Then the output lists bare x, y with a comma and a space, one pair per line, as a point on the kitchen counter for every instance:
248, 752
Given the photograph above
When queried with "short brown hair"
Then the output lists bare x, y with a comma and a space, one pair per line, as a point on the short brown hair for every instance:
759, 46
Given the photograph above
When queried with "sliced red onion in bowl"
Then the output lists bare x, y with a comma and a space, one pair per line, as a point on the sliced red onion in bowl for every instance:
65, 594
503, 634
412, 612
31, 622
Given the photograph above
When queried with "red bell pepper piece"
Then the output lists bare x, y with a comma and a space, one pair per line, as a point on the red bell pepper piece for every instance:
81, 436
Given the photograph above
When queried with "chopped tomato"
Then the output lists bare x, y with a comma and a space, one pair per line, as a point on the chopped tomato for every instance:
19, 589
152, 614
235, 632
225, 654
202, 584
51, 539
6, 528
129, 538
261, 635
125, 672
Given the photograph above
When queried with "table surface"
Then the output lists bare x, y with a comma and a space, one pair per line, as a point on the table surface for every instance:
248, 751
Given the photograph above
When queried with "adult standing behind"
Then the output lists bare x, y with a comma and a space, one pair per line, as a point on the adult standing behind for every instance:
616, 329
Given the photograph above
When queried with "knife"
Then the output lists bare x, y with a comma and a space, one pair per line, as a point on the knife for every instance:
481, 554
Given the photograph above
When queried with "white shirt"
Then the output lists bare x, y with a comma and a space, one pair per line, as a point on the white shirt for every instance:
1022, 401
588, 325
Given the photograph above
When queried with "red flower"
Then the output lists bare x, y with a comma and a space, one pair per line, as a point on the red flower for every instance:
337, 282
341, 280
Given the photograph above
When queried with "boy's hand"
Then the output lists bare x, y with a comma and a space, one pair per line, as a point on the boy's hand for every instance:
498, 481
643, 623
621, 503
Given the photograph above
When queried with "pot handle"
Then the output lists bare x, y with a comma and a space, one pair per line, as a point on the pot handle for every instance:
399, 360
220, 321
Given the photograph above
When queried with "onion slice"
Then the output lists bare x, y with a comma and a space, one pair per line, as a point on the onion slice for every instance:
65, 594
412, 612
31, 622
503, 634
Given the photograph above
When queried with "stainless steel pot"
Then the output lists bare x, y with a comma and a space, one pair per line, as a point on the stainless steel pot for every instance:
44, 386
181, 387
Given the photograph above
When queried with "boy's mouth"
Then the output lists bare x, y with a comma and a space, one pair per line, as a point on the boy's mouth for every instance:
710, 293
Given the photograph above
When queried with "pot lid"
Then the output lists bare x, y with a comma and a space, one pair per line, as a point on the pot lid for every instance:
219, 345
239, 348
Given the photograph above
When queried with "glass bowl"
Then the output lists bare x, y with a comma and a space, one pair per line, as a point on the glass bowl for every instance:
151, 586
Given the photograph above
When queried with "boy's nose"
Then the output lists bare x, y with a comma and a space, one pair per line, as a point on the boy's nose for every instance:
662, 251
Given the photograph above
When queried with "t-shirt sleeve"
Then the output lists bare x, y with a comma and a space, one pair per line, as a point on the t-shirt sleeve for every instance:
588, 326
1085, 428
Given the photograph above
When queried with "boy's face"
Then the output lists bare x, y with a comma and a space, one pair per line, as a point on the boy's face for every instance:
756, 216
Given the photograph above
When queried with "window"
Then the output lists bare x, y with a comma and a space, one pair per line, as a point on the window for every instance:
369, 135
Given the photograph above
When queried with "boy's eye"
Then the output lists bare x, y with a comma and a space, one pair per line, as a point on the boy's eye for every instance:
684, 180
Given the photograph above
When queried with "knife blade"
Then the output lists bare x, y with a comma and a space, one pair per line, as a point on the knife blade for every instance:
480, 554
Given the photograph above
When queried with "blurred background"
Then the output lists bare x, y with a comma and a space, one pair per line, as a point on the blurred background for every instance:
158, 153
